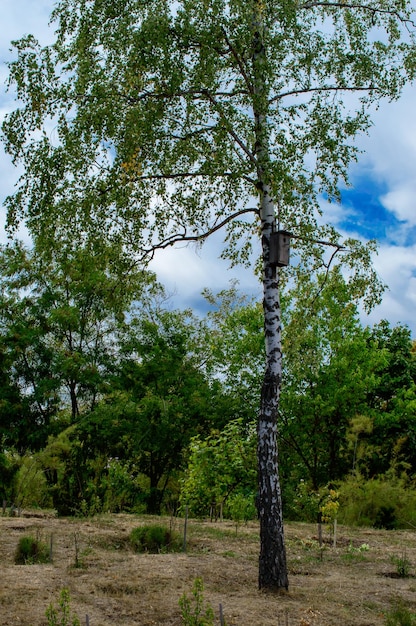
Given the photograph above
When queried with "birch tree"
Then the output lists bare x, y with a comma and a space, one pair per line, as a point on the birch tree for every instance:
156, 121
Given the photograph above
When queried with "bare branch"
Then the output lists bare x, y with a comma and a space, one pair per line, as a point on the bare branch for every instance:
185, 238
308, 90
318, 241
198, 174
240, 63
181, 93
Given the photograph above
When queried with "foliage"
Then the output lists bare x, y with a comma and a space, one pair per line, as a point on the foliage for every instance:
154, 539
30, 485
59, 335
196, 612
241, 507
403, 565
169, 397
31, 550
310, 505
394, 401
62, 616
361, 500
400, 615
386, 518
220, 465
329, 370
236, 347
9, 466
122, 487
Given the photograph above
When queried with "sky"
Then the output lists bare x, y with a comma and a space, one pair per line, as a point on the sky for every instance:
381, 204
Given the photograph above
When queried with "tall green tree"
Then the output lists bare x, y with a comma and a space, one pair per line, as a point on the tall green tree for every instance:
331, 368
170, 397
393, 401
173, 119
156, 400
236, 347
59, 318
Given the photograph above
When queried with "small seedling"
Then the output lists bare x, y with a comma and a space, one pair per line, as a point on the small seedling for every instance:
403, 565
62, 616
196, 612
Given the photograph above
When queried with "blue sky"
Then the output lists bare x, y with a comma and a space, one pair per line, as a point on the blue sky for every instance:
381, 204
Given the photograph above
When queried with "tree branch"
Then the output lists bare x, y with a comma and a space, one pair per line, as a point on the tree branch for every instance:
307, 90
353, 5
199, 174
184, 237
163, 95
230, 130
239, 62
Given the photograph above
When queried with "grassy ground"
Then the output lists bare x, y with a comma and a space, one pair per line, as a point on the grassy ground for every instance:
355, 583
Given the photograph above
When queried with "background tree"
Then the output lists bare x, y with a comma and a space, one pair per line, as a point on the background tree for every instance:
393, 402
234, 325
157, 399
170, 396
59, 318
219, 467
330, 369
174, 119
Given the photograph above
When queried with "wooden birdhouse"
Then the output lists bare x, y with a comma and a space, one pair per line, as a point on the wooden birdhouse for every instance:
279, 252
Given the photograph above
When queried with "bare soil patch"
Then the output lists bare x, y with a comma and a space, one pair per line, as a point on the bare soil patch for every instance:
344, 585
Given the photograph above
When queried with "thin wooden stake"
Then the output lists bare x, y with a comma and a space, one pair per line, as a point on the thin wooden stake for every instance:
185, 529
221, 616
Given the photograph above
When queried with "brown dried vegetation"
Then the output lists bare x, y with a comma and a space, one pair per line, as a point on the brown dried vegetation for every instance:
111, 584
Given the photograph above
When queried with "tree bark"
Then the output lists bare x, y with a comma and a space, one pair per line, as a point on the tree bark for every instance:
272, 560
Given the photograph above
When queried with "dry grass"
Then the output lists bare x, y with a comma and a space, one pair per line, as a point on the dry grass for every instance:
113, 585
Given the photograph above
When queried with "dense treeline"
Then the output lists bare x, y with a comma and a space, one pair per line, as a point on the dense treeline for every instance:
111, 400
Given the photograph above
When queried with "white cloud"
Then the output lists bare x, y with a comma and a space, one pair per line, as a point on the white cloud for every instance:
396, 266
401, 201
186, 271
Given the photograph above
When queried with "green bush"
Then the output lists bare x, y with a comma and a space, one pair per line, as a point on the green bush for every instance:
154, 539
363, 502
30, 551
241, 508
386, 518
30, 485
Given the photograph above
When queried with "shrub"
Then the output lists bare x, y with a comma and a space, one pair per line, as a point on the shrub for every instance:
30, 485
30, 551
154, 539
386, 518
363, 502
241, 508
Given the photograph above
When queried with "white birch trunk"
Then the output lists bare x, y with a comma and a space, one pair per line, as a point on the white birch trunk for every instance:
272, 560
